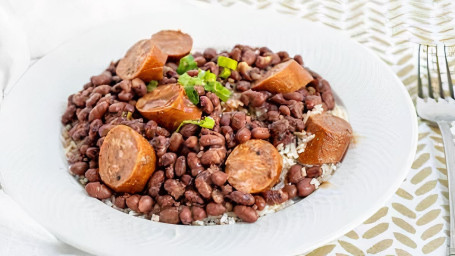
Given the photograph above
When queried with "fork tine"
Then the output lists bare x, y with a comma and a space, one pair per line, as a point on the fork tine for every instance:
441, 90
430, 87
449, 78
419, 80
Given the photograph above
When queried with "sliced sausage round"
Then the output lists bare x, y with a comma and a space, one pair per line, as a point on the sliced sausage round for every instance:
254, 166
174, 43
126, 161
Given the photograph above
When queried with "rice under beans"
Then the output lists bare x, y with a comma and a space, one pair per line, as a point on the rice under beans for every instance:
288, 153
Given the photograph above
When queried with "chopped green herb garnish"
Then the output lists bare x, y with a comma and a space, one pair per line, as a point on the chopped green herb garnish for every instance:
186, 63
129, 116
207, 122
206, 79
225, 73
226, 62
192, 94
187, 80
209, 76
216, 87
152, 85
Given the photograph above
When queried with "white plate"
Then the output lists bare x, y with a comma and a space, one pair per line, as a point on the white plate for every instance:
34, 171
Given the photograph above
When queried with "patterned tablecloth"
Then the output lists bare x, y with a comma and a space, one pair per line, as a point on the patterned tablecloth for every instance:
415, 221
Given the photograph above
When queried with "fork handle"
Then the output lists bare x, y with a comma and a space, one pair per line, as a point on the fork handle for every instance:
449, 148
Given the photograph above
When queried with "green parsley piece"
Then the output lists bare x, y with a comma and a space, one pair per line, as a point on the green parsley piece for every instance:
207, 122
226, 62
186, 63
152, 85
225, 73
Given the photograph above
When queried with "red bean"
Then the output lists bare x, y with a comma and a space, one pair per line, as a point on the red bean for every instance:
175, 142
296, 174
185, 215
192, 143
79, 168
145, 204
285, 110
236, 54
175, 188
293, 96
93, 99
198, 213
299, 59
314, 171
133, 202
92, 175
259, 201
206, 104
217, 196
241, 198
213, 156
119, 201
238, 120
263, 62
180, 166
304, 187
200, 61
202, 184
211, 140
98, 111
103, 78
170, 215
246, 213
312, 100
155, 183
102, 89
98, 190
214, 209
219, 178
249, 57
273, 197
165, 201
225, 120
291, 190
243, 135
209, 53
139, 87
168, 159
260, 133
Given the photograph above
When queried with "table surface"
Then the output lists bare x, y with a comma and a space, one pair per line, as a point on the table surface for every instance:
415, 220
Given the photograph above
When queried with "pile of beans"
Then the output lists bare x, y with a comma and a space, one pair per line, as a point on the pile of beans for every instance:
189, 183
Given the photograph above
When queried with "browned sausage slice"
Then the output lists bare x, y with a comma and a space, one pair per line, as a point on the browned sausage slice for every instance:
254, 166
285, 77
168, 105
126, 161
174, 43
332, 138
143, 60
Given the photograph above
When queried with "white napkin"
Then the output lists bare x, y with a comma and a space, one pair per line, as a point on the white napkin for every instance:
14, 51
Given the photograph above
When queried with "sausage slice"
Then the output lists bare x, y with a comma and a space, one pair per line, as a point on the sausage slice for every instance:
254, 166
168, 105
126, 161
143, 60
285, 77
174, 43
332, 138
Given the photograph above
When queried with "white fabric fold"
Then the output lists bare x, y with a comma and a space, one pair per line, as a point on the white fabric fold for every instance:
14, 50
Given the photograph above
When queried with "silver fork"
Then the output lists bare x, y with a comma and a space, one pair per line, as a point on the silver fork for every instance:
440, 109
